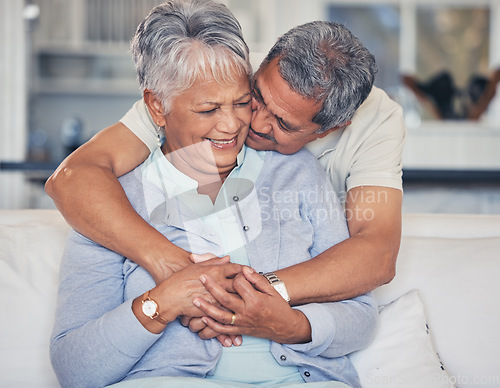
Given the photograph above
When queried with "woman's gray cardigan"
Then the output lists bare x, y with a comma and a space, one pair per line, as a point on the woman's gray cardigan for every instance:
290, 215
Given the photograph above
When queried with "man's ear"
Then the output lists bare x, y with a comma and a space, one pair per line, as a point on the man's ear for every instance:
155, 107
323, 134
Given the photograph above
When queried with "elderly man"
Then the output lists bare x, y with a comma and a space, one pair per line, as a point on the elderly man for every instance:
314, 89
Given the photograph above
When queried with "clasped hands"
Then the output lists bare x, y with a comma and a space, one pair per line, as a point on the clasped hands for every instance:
247, 305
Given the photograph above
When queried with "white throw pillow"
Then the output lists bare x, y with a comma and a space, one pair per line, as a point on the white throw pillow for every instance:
401, 354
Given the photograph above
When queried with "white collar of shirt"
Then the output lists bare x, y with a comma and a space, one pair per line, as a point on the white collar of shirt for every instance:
172, 183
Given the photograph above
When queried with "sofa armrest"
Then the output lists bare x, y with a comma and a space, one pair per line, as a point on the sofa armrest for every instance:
32, 243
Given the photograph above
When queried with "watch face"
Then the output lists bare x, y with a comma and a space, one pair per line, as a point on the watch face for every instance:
149, 308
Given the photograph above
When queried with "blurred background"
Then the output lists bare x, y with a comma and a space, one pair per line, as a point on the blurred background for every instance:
66, 73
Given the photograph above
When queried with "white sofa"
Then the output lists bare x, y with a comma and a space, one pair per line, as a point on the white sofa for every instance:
448, 276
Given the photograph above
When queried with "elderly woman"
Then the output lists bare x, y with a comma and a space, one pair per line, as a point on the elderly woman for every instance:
206, 192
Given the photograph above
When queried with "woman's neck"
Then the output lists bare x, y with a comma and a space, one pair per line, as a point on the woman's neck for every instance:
211, 189
208, 183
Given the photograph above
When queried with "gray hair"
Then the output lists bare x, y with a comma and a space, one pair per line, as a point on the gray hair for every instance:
180, 39
325, 61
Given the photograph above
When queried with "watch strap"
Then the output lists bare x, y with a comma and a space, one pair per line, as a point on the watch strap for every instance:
278, 284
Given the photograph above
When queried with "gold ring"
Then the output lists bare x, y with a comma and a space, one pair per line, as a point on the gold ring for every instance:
233, 318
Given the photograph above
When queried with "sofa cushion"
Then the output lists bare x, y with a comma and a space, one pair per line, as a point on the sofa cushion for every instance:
402, 353
458, 283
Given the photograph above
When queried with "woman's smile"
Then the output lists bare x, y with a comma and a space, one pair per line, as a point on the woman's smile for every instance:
223, 144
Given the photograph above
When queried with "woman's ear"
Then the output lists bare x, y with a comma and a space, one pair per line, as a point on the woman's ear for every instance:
155, 107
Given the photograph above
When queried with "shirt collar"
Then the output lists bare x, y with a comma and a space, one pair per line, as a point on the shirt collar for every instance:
158, 170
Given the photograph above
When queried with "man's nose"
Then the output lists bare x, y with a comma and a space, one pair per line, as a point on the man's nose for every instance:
261, 119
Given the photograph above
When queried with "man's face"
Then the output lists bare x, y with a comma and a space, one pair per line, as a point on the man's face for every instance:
281, 118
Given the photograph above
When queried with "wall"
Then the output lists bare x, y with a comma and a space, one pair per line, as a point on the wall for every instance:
12, 100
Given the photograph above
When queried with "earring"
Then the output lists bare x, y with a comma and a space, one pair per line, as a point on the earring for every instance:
158, 135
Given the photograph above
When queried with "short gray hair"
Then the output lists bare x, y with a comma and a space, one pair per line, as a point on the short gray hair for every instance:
325, 61
180, 39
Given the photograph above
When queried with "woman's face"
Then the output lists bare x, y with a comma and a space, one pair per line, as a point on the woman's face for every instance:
207, 126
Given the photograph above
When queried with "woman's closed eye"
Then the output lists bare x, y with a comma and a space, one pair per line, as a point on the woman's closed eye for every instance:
237, 105
208, 111
243, 104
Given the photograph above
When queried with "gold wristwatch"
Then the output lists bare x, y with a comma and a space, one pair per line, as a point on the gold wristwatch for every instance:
150, 309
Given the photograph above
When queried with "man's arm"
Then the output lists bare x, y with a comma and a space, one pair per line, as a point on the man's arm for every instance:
355, 266
366, 260
260, 311
86, 191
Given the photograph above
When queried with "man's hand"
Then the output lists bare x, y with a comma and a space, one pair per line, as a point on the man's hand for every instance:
259, 310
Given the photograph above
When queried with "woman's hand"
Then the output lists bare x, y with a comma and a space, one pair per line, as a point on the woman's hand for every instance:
196, 325
175, 294
259, 310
